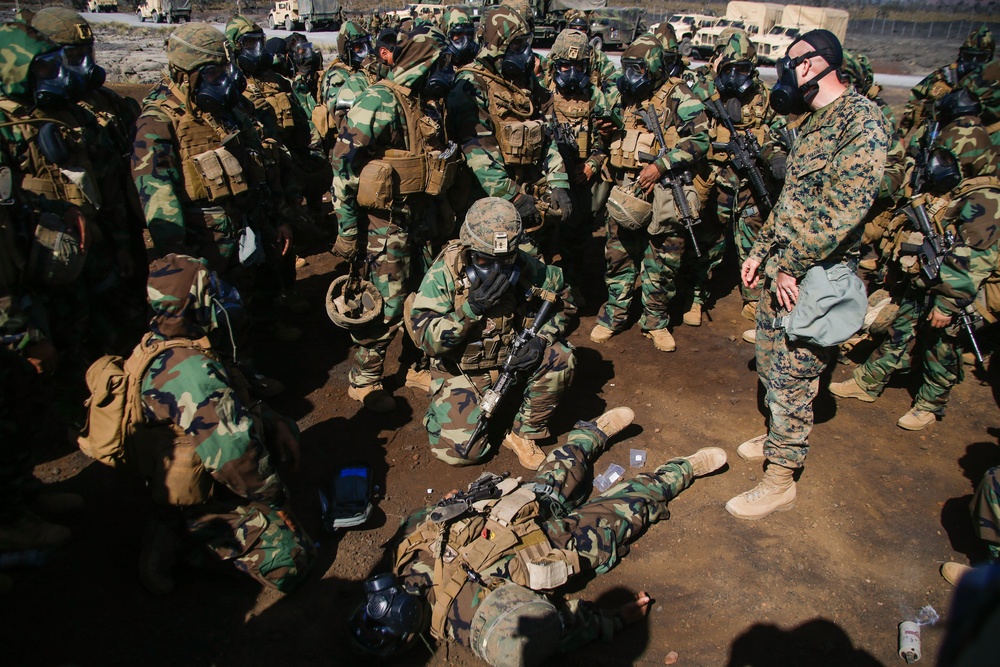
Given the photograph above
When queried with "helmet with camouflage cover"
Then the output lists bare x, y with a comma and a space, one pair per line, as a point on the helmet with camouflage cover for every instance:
185, 297
667, 36
514, 627
353, 302
644, 67
20, 44
353, 44
492, 227
737, 48
195, 45
502, 28
569, 60
857, 69
970, 143
570, 45
415, 61
63, 26
246, 40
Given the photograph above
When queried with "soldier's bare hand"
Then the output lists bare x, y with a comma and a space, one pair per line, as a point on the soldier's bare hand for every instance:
938, 319
74, 217
787, 289
648, 177
285, 237
638, 609
748, 272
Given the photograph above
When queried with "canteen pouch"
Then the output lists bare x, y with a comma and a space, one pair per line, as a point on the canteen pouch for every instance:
375, 186
665, 211
521, 142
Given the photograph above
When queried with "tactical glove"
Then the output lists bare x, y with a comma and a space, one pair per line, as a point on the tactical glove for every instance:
561, 200
525, 205
530, 356
778, 166
489, 293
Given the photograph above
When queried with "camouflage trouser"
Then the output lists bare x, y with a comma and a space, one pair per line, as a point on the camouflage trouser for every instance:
601, 529
656, 259
575, 234
454, 410
711, 235
942, 368
790, 374
262, 541
985, 508
21, 409
736, 206
388, 262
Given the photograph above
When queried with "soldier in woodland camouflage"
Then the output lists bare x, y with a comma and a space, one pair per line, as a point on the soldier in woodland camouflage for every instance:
964, 200
834, 171
227, 496
487, 580
374, 68
654, 252
476, 298
354, 53
602, 71
985, 510
985, 86
977, 50
461, 31
382, 212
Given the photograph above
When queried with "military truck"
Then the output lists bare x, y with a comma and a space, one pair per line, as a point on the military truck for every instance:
309, 14
435, 7
550, 15
755, 18
102, 6
616, 27
158, 11
686, 26
795, 20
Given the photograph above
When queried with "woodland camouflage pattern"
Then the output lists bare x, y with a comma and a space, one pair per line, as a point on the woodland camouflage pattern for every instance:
985, 508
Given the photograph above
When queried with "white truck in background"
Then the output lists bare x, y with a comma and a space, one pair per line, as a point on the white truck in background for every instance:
686, 26
795, 20
756, 18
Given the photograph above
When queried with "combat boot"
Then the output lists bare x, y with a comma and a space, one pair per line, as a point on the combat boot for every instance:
159, 555
869, 264
750, 311
601, 334
55, 503
692, 317
373, 397
851, 389
916, 420
706, 460
528, 453
614, 420
953, 572
30, 532
750, 336
662, 340
752, 449
775, 493
419, 379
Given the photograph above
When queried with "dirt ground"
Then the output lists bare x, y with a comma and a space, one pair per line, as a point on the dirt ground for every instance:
826, 584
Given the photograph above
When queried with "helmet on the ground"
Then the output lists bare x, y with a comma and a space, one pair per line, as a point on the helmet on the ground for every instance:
353, 302
195, 45
492, 227
515, 627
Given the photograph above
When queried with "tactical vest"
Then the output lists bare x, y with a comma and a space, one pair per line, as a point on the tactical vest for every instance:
268, 96
100, 103
755, 117
500, 528
638, 138
576, 113
518, 132
74, 182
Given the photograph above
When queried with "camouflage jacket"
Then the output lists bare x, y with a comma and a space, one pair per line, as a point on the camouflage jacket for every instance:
475, 129
442, 322
834, 171
931, 88
334, 77
351, 90
279, 112
602, 69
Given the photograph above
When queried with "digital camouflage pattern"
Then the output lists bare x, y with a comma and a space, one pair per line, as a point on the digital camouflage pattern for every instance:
195, 391
444, 326
985, 508
62, 25
599, 530
193, 45
834, 171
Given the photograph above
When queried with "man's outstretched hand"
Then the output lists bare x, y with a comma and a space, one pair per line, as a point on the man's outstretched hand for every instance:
637, 609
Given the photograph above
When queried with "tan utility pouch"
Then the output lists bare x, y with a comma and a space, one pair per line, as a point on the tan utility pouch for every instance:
441, 172
665, 212
220, 173
521, 142
282, 104
176, 473
410, 171
625, 151
991, 293
550, 571
375, 186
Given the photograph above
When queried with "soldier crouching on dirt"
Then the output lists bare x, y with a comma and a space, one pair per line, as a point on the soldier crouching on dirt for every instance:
208, 453
482, 578
470, 307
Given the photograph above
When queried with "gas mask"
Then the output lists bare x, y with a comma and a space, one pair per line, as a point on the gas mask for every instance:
441, 78
943, 171
79, 60
303, 57
787, 96
359, 49
252, 57
570, 75
956, 104
971, 60
462, 44
519, 59
481, 266
54, 85
635, 79
389, 618
673, 65
735, 79
219, 88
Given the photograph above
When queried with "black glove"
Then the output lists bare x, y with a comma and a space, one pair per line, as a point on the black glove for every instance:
525, 205
778, 163
561, 200
529, 356
489, 293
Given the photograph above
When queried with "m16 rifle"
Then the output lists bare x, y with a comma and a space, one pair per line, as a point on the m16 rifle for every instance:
918, 180
563, 136
491, 397
457, 505
744, 152
675, 182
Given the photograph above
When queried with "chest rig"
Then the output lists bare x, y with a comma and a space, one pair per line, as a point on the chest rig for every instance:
519, 134
755, 116
268, 96
575, 113
636, 137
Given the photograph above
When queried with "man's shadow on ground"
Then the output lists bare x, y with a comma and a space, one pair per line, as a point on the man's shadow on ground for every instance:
817, 643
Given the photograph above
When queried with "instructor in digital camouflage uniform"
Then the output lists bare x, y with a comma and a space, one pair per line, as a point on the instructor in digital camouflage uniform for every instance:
484, 580
479, 294
833, 175
208, 453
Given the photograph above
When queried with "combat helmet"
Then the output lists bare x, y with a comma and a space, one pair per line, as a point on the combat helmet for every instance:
643, 67
20, 44
246, 40
569, 60
492, 227
514, 627
353, 44
857, 69
63, 26
505, 28
195, 45
352, 302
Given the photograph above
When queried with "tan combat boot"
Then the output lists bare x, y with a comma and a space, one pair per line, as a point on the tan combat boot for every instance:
30, 532
662, 340
614, 420
851, 389
750, 311
158, 557
775, 493
752, 449
706, 460
692, 317
528, 453
601, 334
419, 379
868, 264
952, 572
373, 397
750, 336
916, 420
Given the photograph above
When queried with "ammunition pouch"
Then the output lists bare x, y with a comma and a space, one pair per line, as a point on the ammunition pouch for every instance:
665, 210
441, 172
220, 173
521, 142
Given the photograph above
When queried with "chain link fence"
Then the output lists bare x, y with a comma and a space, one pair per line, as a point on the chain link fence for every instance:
946, 30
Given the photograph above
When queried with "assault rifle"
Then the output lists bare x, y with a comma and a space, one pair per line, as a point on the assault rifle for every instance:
744, 151
919, 178
674, 182
563, 136
968, 321
491, 397
484, 488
